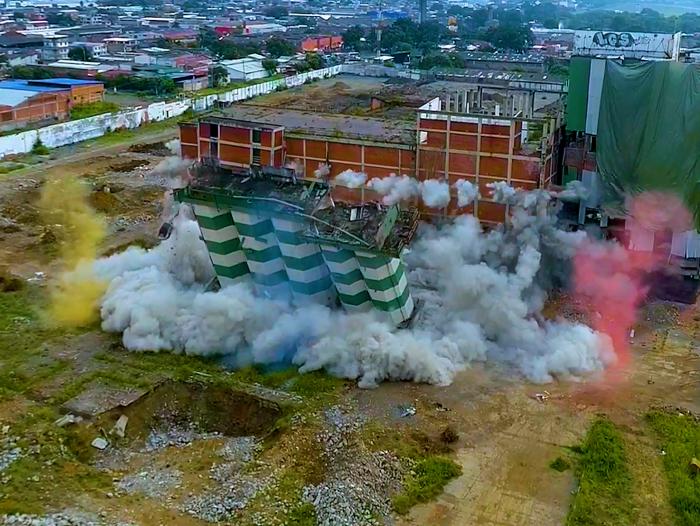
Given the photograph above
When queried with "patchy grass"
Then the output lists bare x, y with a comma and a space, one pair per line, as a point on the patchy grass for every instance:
426, 481
679, 436
83, 111
123, 134
559, 464
604, 496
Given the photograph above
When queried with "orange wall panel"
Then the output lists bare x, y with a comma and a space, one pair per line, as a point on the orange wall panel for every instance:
494, 166
316, 149
234, 154
382, 156
431, 124
462, 163
189, 152
234, 134
188, 134
463, 142
494, 212
295, 147
495, 144
344, 152
529, 170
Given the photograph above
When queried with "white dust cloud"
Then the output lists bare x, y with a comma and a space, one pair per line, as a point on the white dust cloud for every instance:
481, 296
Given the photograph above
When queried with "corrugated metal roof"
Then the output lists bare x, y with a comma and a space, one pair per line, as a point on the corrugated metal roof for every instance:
13, 97
22, 85
63, 81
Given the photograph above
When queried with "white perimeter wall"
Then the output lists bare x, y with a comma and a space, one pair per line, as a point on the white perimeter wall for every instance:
83, 129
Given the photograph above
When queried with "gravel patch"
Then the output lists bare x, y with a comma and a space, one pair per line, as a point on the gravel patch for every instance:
233, 494
359, 484
57, 519
240, 449
177, 437
152, 483
10, 452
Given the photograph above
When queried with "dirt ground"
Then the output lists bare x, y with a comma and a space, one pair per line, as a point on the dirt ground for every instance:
507, 437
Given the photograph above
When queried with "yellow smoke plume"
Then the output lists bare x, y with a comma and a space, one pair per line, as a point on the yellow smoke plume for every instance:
76, 292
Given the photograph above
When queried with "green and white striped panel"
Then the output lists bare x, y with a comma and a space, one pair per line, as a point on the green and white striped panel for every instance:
262, 253
307, 271
223, 243
387, 285
347, 278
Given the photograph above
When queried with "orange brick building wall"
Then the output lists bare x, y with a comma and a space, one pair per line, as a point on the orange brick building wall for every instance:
87, 94
482, 152
40, 107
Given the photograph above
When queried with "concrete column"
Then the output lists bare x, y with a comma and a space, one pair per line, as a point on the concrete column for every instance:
223, 244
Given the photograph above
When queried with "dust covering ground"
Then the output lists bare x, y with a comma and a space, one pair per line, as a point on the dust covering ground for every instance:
202, 445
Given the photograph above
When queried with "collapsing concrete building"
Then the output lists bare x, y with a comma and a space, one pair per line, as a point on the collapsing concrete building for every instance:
293, 242
452, 137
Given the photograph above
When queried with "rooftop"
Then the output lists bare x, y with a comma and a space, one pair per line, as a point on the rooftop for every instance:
326, 124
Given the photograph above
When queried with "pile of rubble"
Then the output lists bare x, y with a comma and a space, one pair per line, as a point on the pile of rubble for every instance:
359, 484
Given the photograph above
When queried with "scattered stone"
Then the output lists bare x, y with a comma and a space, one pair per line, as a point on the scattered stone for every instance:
240, 449
120, 426
152, 483
58, 519
407, 411
541, 397
100, 443
449, 435
176, 437
67, 419
232, 495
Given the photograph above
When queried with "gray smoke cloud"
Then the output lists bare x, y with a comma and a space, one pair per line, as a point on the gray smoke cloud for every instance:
481, 295
502, 192
351, 179
467, 192
435, 193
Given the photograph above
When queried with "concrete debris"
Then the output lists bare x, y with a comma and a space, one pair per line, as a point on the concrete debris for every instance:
67, 419
100, 443
359, 484
10, 452
233, 494
176, 437
152, 483
57, 519
407, 411
240, 449
38, 276
98, 398
120, 426
541, 397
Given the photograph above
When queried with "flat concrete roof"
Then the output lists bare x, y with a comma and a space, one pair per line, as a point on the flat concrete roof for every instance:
327, 124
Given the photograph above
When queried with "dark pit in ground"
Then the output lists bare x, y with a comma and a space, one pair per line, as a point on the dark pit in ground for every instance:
199, 407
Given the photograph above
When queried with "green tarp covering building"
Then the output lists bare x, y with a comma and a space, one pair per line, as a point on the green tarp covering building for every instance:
648, 130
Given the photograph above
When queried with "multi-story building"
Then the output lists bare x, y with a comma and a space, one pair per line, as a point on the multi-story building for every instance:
55, 48
451, 137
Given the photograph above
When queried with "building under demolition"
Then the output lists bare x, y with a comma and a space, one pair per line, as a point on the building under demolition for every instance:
264, 195
294, 242
476, 134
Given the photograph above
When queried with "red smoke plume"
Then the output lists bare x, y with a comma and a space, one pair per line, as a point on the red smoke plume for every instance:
610, 278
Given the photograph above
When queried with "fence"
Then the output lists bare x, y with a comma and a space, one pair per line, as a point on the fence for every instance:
72, 132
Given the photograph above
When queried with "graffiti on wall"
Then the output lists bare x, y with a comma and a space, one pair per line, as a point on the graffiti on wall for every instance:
618, 39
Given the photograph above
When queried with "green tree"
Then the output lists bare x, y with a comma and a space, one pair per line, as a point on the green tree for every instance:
30, 72
279, 47
219, 76
352, 38
510, 37
270, 65
314, 61
79, 53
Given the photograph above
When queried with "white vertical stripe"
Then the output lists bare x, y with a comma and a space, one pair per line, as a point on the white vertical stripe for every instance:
595, 92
